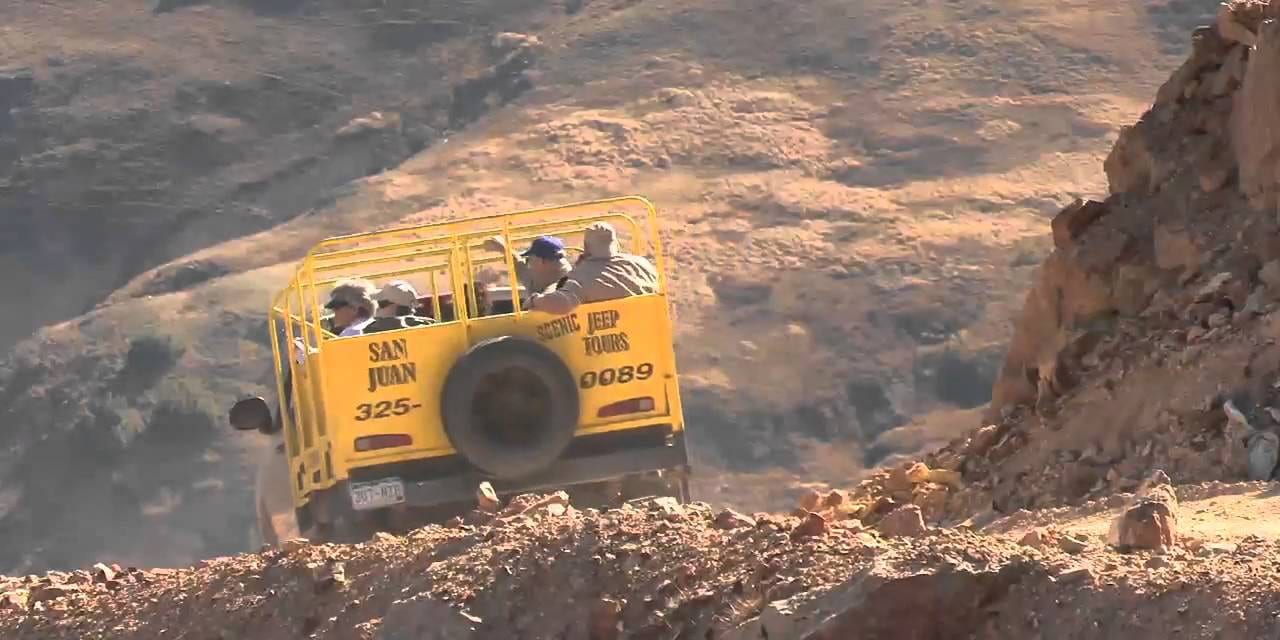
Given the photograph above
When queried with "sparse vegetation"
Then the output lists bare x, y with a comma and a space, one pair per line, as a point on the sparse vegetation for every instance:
148, 359
185, 415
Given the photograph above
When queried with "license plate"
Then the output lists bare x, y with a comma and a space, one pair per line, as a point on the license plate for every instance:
375, 495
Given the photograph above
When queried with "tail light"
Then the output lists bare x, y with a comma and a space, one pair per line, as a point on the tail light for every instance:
624, 407
383, 441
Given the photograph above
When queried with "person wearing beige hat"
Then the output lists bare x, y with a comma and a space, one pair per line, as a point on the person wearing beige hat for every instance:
396, 303
603, 273
351, 302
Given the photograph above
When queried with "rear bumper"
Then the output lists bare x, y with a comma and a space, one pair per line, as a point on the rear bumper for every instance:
450, 479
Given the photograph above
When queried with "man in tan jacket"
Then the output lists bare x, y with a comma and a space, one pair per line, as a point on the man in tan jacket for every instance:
603, 273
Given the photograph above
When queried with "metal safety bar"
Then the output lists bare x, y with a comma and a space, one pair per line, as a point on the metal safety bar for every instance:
447, 228
529, 232
458, 236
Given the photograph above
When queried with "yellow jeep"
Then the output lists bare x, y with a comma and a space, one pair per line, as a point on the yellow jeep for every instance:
395, 429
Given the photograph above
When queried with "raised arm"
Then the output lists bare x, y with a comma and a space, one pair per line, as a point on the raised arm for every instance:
559, 302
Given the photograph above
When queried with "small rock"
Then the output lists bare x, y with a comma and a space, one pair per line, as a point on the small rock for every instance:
487, 499
1157, 562
423, 617
834, 499
1199, 312
556, 510
560, 497
982, 440
1213, 287
670, 507
1215, 177
1236, 420
1264, 450
852, 526
1217, 548
1257, 300
1072, 544
1274, 413
385, 538
730, 520
1270, 275
949, 460
326, 575
945, 477
812, 525
905, 521
1071, 221
1112, 477
898, 480
1150, 520
677, 97
1219, 320
103, 573
294, 544
375, 121
1231, 30
809, 501
15, 600
1076, 574
507, 41
881, 505
918, 473
53, 592
475, 518
1034, 539
605, 620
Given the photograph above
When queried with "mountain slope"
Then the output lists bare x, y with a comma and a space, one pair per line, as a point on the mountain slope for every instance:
854, 202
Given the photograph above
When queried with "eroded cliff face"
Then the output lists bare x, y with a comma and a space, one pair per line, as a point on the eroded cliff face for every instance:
1192, 196
1149, 338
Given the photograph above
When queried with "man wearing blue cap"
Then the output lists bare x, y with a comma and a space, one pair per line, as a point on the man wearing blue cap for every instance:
540, 267
604, 273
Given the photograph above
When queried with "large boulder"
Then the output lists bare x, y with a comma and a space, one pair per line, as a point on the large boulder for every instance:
1150, 520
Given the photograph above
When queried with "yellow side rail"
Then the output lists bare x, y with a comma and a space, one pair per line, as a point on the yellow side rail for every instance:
464, 231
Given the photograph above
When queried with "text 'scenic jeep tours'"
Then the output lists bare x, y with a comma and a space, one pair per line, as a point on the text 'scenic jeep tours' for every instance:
395, 429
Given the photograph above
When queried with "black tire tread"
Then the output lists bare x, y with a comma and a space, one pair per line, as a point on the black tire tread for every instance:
456, 406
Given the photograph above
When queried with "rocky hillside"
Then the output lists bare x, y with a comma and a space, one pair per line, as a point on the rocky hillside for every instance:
860, 198
662, 571
1148, 340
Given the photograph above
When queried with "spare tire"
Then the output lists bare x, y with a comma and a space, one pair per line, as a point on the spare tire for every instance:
510, 406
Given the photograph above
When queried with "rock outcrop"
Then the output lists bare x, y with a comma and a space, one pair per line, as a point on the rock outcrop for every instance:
1155, 315
1194, 173
1150, 520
